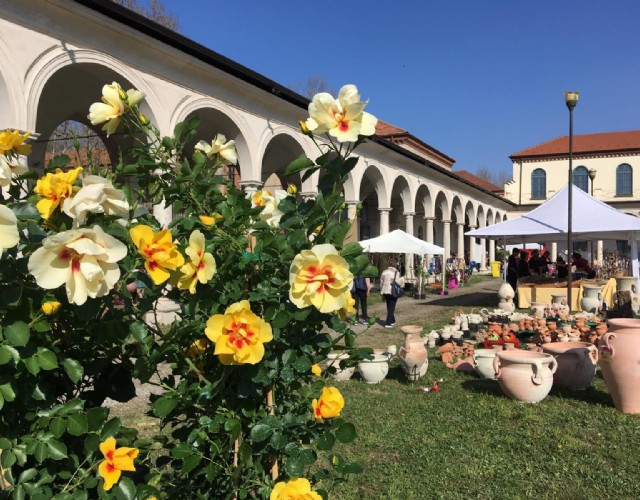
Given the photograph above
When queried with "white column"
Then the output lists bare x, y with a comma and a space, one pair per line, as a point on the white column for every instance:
446, 239
554, 252
600, 252
250, 187
308, 195
352, 215
408, 257
483, 257
472, 247
492, 250
429, 239
460, 240
384, 220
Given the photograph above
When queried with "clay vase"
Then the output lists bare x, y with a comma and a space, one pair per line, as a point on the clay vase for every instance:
413, 355
629, 284
592, 298
374, 370
538, 309
577, 363
483, 360
620, 363
525, 375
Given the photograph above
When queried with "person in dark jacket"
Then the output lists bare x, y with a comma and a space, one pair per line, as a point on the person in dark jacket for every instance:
512, 268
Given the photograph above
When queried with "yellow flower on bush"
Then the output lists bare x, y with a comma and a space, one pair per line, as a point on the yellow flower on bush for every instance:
8, 170
9, 235
85, 260
210, 220
115, 461
239, 335
342, 118
316, 370
329, 405
159, 251
51, 307
349, 307
197, 348
320, 277
269, 202
12, 142
54, 189
219, 147
200, 268
294, 489
115, 102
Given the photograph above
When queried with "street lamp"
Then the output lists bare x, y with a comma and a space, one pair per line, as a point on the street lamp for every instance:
592, 176
570, 99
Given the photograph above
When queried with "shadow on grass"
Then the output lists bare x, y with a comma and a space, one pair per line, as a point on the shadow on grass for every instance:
589, 395
482, 386
477, 299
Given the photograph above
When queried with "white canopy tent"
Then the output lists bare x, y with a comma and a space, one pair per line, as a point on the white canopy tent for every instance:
592, 220
400, 242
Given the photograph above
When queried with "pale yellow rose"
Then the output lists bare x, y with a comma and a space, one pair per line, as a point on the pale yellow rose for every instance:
342, 118
9, 170
9, 235
294, 489
329, 405
239, 335
54, 189
12, 142
320, 277
269, 202
219, 147
98, 196
85, 260
159, 251
115, 102
200, 268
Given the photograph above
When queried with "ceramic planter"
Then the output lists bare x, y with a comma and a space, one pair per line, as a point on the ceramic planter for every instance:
333, 359
525, 375
620, 363
629, 284
413, 354
374, 370
592, 298
577, 363
483, 359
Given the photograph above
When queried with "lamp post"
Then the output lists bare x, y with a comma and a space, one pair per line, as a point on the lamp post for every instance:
570, 99
592, 176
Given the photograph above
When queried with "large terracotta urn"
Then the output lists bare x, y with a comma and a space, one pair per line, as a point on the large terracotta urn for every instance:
620, 363
591, 298
629, 284
525, 375
413, 354
577, 362
483, 360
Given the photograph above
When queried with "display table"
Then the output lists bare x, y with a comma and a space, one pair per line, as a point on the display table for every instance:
542, 292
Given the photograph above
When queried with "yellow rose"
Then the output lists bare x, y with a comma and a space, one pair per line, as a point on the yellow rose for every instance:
316, 370
294, 489
115, 461
115, 102
201, 267
320, 277
12, 141
54, 189
329, 405
210, 220
239, 335
349, 307
159, 252
51, 307
292, 189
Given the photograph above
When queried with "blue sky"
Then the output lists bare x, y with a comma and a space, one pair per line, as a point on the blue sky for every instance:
476, 79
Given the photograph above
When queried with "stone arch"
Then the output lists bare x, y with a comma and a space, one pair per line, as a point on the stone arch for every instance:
372, 193
423, 210
277, 152
401, 202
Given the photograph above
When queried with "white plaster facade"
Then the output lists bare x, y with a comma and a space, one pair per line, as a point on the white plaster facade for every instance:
57, 54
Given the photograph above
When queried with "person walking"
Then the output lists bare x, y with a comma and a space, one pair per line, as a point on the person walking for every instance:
361, 291
512, 269
388, 276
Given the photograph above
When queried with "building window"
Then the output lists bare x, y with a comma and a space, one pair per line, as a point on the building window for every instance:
538, 184
624, 180
581, 178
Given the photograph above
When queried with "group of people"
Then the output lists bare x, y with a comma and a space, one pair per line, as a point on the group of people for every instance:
519, 266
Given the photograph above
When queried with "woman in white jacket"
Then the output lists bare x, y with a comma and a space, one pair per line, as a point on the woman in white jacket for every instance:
388, 276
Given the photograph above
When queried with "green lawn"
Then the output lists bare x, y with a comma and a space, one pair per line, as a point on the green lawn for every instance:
470, 441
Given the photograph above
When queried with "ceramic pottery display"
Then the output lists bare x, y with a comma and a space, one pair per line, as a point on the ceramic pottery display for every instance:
577, 362
620, 363
483, 360
413, 354
374, 370
525, 375
629, 284
592, 298
538, 309
333, 359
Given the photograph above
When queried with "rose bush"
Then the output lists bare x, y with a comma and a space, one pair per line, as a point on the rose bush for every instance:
262, 282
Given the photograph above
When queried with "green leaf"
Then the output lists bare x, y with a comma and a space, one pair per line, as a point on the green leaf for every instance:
27, 475
325, 442
260, 432
190, 463
346, 432
183, 450
46, 359
41, 452
7, 459
125, 489
73, 369
57, 450
163, 406
26, 211
5, 444
59, 161
77, 424
57, 426
278, 441
111, 428
351, 249
96, 417
7, 392
5, 355
138, 331
281, 320
32, 364
17, 334
299, 164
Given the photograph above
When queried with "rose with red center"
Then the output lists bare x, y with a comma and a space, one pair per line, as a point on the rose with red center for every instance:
54, 189
115, 461
294, 489
320, 277
200, 268
159, 251
86, 260
329, 405
343, 118
239, 335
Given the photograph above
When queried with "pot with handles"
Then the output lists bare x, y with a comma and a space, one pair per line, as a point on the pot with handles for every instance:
525, 375
577, 362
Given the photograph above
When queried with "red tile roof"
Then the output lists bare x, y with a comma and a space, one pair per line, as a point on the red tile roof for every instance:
587, 143
401, 136
474, 179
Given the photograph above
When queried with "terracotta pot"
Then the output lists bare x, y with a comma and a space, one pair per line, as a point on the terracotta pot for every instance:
525, 375
620, 363
413, 354
577, 363
552, 325
483, 360
374, 370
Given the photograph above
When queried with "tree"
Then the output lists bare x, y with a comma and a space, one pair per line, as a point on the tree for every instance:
312, 86
154, 10
498, 178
